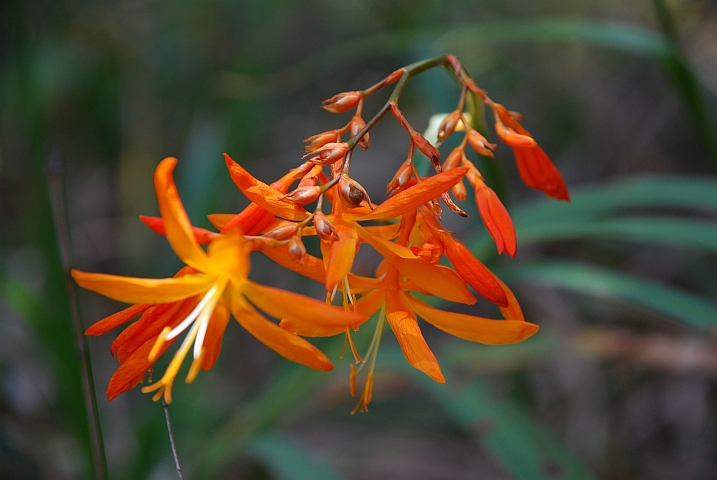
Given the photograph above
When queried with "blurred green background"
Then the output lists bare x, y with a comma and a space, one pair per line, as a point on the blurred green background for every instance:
619, 383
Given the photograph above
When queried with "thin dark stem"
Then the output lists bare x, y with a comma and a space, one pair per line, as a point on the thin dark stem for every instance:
171, 440
59, 215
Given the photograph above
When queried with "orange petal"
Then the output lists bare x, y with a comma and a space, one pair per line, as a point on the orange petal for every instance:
213, 339
201, 235
369, 304
312, 267
341, 256
133, 370
250, 221
220, 219
513, 310
310, 330
282, 304
415, 196
435, 279
384, 247
496, 219
228, 257
475, 329
116, 319
176, 223
282, 342
404, 325
386, 232
538, 171
143, 290
473, 271
262, 194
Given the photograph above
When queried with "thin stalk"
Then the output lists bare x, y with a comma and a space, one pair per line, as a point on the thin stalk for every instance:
171, 440
59, 215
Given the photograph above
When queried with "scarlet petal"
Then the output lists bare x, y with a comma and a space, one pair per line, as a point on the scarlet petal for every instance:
404, 325
473, 271
133, 370
282, 342
251, 221
496, 220
143, 290
262, 194
213, 338
341, 256
176, 223
538, 171
475, 329
415, 196
116, 319
201, 235
282, 304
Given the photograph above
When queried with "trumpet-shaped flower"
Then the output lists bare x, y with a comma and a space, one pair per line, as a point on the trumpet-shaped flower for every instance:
198, 301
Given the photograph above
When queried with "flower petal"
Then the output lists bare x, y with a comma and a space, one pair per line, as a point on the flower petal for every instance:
415, 196
312, 267
201, 235
262, 194
250, 221
436, 279
134, 369
143, 290
282, 304
475, 329
213, 338
116, 319
384, 247
228, 257
310, 330
538, 171
341, 256
496, 219
404, 325
176, 223
282, 342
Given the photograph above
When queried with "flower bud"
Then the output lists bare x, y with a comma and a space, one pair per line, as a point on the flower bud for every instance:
311, 178
296, 249
283, 232
454, 159
427, 149
459, 190
480, 144
329, 153
324, 228
342, 102
356, 125
401, 179
319, 140
448, 125
302, 195
512, 139
429, 252
351, 192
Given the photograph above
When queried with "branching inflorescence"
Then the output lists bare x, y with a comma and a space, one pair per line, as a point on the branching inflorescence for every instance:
198, 300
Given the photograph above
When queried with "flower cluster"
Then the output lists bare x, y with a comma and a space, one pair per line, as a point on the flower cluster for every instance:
327, 202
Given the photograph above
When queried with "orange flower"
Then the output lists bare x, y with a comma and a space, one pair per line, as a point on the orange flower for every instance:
198, 300
391, 295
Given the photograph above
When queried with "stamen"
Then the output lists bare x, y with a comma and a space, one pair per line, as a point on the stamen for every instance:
161, 338
196, 363
192, 316
333, 292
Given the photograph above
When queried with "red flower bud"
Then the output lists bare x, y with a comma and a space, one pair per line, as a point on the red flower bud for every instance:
351, 192
296, 249
496, 219
319, 140
329, 153
510, 138
480, 144
448, 125
324, 228
401, 179
283, 232
355, 127
454, 159
342, 102
303, 195
427, 149
459, 191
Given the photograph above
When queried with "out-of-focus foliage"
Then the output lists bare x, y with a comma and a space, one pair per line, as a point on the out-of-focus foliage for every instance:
618, 383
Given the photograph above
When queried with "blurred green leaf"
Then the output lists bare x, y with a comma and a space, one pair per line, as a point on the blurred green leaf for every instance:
603, 283
289, 460
523, 448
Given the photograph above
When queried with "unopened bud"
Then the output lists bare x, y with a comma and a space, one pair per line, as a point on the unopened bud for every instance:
296, 249
319, 140
342, 102
429, 252
454, 159
351, 192
283, 232
459, 190
303, 195
448, 125
401, 179
395, 76
311, 178
329, 153
356, 125
435, 208
480, 144
427, 149
512, 139
324, 228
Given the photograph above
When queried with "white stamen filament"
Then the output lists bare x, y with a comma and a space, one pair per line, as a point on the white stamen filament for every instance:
348, 289
203, 325
192, 316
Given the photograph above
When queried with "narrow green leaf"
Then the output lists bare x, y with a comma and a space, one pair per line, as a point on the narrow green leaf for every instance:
289, 460
603, 283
